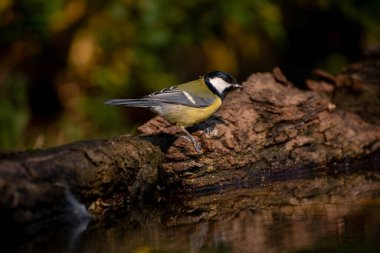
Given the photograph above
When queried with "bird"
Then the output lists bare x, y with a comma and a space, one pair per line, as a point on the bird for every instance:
188, 103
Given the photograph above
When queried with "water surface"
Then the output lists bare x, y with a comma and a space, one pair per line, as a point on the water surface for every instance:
334, 209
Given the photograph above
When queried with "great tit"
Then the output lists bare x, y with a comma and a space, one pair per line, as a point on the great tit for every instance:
188, 103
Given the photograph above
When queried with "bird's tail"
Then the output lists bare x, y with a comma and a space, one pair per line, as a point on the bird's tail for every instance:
132, 102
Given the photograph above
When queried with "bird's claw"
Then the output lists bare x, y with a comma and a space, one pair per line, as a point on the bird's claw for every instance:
198, 148
195, 144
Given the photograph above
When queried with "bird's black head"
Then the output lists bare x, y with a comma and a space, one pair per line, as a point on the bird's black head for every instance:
220, 82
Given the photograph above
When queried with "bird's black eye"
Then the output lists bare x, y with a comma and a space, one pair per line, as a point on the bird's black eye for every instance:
229, 79
225, 76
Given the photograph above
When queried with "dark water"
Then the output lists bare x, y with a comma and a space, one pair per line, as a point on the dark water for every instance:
334, 210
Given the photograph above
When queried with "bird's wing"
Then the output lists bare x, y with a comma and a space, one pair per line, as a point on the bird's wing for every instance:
173, 95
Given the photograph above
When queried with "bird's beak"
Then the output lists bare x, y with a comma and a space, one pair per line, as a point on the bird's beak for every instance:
236, 85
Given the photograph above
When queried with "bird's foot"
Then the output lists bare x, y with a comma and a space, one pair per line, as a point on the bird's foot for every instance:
197, 147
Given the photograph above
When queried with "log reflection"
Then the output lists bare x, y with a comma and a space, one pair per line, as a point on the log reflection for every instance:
309, 211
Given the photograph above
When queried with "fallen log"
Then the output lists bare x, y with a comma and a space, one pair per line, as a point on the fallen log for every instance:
356, 89
39, 185
266, 127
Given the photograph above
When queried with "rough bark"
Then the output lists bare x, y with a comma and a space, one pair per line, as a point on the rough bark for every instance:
39, 184
266, 127
356, 89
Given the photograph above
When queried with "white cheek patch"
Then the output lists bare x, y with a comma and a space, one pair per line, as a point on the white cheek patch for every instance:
219, 84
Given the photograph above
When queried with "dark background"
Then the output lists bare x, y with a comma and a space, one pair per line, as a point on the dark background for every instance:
61, 59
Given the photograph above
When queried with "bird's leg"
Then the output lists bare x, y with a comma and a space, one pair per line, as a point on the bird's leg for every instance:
191, 138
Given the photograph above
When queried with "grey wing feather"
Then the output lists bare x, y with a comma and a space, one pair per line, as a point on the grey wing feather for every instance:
133, 102
172, 95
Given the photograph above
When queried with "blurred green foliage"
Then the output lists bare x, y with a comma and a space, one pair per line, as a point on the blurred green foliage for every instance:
61, 59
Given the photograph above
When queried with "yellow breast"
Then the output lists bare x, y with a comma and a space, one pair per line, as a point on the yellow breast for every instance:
188, 116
